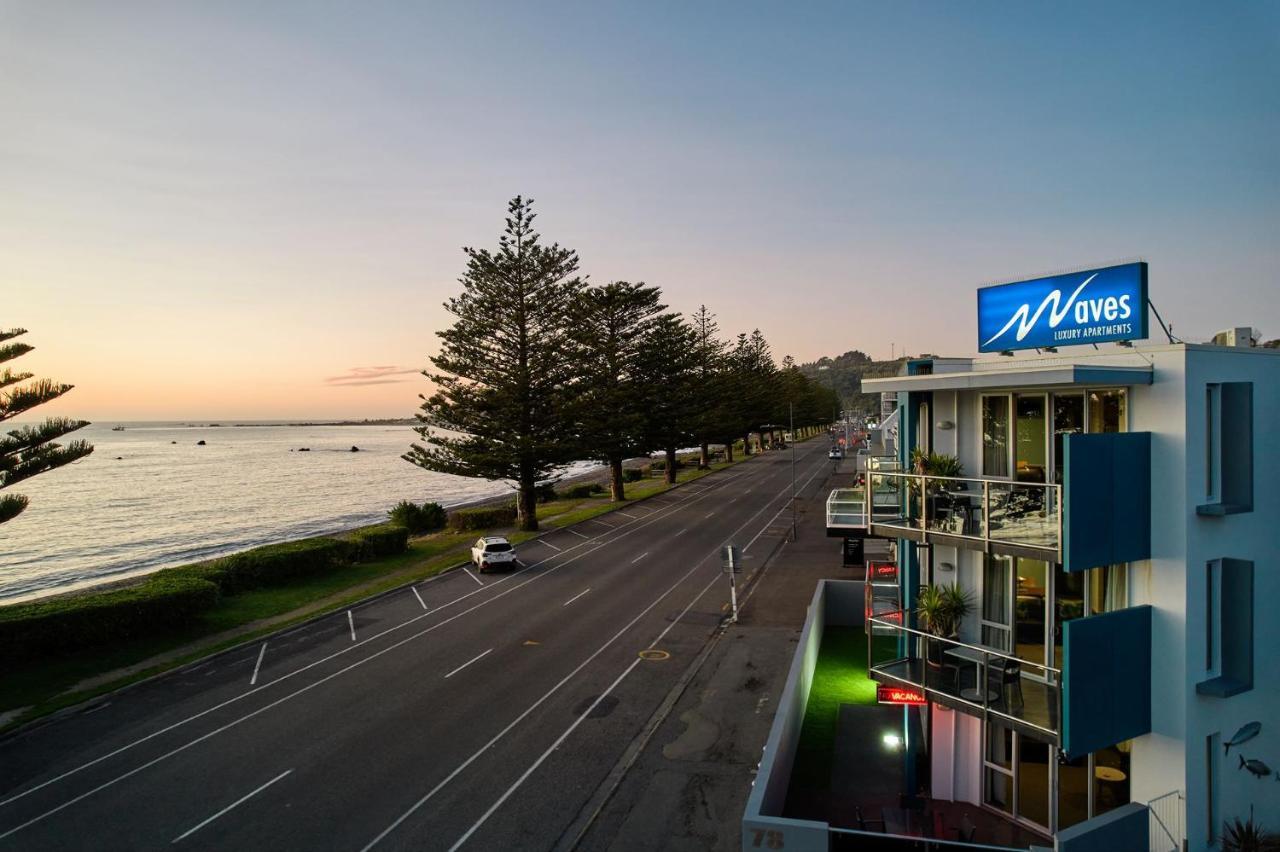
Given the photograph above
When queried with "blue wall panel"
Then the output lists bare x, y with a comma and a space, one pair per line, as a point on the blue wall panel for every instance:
1106, 679
1106, 499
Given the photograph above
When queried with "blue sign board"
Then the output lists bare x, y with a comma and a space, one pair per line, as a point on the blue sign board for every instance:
1092, 306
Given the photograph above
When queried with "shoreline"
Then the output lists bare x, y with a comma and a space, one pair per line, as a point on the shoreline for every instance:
134, 577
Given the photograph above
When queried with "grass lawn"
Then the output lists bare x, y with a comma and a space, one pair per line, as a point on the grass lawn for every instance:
840, 677
30, 691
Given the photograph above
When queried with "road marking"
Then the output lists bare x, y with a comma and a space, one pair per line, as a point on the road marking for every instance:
352, 621
467, 663
308, 687
654, 655
638, 558
236, 803
601, 523
418, 596
475, 756
709, 514
682, 531
575, 597
578, 534
253, 681
472, 575
627, 514
542, 758
550, 545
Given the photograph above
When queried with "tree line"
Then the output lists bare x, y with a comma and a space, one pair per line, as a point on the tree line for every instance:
541, 368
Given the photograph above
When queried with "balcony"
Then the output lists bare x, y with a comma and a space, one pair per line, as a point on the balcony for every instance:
970, 678
997, 516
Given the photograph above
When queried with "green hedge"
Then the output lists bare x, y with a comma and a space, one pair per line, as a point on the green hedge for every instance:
578, 492
482, 518
43, 628
270, 565
372, 543
426, 518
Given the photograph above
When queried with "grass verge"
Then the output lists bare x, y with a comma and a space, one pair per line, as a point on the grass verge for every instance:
29, 692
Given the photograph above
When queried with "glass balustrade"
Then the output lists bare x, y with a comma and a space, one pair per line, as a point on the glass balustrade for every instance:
1021, 514
970, 677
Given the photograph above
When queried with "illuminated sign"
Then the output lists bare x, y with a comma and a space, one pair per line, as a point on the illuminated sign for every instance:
899, 695
883, 571
1093, 306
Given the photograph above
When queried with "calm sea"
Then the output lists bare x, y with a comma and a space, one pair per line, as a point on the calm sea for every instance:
150, 497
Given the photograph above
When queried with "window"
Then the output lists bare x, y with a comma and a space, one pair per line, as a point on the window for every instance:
1211, 749
1228, 628
1068, 419
995, 436
1108, 410
1228, 446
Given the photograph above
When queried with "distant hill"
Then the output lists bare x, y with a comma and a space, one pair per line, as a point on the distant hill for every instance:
844, 375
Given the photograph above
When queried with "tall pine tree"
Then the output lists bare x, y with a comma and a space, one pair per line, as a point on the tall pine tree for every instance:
668, 363
30, 450
709, 357
499, 409
612, 323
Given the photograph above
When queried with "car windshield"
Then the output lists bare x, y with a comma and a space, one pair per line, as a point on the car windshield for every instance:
497, 547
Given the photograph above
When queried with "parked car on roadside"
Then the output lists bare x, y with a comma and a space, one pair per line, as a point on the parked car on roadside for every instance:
491, 553
836, 453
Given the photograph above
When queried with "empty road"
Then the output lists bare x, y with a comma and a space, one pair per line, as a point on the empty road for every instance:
477, 712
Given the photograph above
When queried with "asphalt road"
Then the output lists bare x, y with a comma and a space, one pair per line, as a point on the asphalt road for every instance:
462, 712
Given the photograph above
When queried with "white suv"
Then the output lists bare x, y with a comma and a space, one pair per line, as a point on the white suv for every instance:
491, 553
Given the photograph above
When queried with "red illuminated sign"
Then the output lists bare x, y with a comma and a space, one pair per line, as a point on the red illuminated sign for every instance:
887, 571
898, 695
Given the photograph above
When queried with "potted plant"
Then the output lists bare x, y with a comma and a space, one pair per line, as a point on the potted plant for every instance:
1248, 836
941, 610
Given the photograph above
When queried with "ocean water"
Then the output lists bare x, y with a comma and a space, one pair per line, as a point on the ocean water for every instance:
149, 497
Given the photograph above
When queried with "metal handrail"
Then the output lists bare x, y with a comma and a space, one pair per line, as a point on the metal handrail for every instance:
916, 841
984, 649
906, 474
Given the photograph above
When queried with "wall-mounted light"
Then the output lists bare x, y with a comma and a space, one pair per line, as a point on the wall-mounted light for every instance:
945, 425
891, 741
946, 566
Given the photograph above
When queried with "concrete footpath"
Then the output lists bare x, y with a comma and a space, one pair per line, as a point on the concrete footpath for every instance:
687, 785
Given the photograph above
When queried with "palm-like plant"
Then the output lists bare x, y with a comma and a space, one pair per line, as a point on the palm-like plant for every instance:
1248, 836
941, 609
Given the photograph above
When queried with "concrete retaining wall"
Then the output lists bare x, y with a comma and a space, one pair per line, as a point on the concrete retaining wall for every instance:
835, 602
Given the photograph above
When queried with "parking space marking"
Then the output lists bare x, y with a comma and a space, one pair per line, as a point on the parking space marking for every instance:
253, 681
550, 545
638, 558
419, 597
472, 575
352, 621
575, 597
578, 534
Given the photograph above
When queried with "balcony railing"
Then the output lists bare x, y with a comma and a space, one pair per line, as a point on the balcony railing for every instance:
969, 677
986, 512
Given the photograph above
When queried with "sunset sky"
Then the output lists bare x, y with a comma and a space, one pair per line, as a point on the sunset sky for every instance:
255, 210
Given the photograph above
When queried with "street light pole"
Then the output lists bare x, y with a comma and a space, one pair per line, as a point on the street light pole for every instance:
791, 408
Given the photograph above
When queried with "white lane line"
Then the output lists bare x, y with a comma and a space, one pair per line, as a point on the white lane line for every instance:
472, 575
709, 514
638, 558
601, 523
467, 663
575, 597
578, 534
352, 621
253, 681
236, 803
560, 740
626, 514
419, 597
302, 689
550, 545
683, 531
498, 736
542, 758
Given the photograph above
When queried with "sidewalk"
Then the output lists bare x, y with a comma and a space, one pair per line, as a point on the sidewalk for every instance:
688, 787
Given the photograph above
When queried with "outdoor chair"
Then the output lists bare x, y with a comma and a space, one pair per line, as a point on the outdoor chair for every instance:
967, 830
867, 824
1005, 677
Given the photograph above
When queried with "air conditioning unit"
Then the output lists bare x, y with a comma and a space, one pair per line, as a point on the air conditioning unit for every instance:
1241, 336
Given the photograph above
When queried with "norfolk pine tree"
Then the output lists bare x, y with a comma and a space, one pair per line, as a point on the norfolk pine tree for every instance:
669, 363
611, 326
709, 358
30, 450
499, 410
